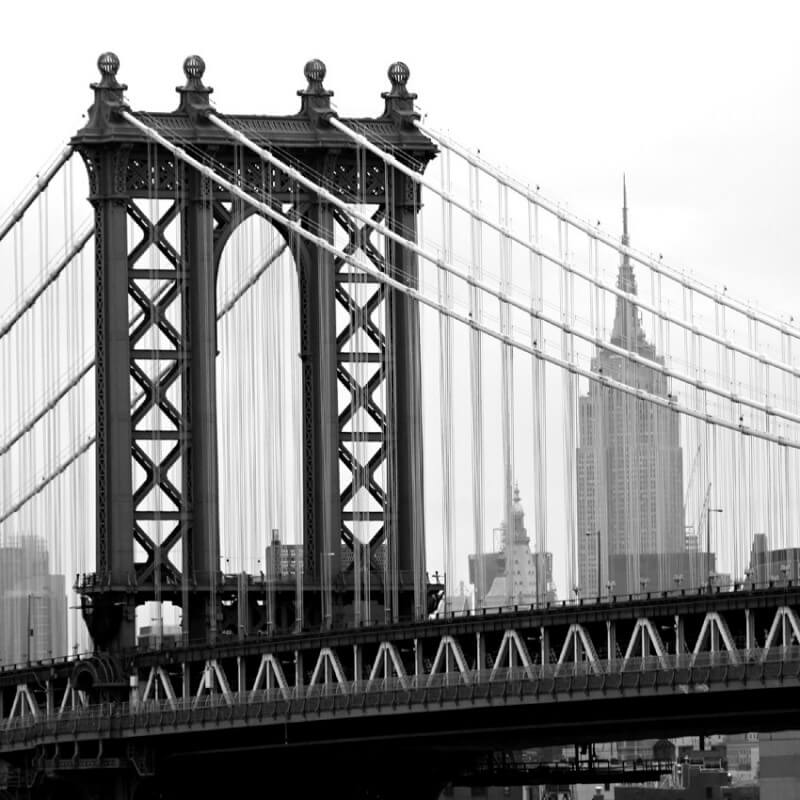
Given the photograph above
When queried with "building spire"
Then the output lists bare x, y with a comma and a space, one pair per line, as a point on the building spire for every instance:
625, 239
625, 279
627, 330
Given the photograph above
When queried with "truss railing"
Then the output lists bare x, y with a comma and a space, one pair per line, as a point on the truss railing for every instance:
171, 645
539, 683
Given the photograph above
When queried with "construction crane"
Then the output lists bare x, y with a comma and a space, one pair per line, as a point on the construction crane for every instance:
689, 482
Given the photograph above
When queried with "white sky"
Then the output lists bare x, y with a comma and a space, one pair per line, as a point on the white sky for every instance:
697, 103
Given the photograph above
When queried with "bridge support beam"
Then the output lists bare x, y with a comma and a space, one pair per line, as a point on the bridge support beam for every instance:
201, 558
405, 414
680, 635
544, 645
110, 617
611, 640
750, 633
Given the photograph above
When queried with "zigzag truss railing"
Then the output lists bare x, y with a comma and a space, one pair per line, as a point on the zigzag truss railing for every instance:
160, 690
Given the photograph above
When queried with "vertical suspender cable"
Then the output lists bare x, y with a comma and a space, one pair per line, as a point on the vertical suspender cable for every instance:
506, 391
446, 392
476, 392
538, 405
568, 387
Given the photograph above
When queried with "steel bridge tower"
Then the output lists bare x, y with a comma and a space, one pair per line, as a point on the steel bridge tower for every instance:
157, 455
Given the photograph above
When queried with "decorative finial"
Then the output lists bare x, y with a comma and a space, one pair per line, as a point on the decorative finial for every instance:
399, 101
108, 99
399, 73
315, 72
194, 67
194, 94
516, 492
108, 64
316, 99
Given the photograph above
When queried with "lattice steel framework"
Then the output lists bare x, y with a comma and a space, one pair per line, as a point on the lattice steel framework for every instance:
352, 349
156, 345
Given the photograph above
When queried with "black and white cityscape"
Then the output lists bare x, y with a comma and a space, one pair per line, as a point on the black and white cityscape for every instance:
406, 408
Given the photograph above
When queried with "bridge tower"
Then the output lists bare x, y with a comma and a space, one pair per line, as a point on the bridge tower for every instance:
156, 349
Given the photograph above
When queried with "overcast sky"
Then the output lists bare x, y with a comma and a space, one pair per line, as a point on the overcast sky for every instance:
697, 102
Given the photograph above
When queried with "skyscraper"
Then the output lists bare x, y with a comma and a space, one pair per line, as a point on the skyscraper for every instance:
33, 603
630, 520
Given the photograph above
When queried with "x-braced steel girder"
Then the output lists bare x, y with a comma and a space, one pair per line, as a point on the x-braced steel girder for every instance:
361, 322
156, 291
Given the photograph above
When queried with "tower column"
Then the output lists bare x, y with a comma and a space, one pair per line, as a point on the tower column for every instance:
111, 621
201, 482
321, 508
405, 414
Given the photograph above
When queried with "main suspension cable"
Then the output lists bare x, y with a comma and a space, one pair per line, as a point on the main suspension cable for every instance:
298, 229
83, 237
565, 265
41, 183
508, 300
75, 380
595, 232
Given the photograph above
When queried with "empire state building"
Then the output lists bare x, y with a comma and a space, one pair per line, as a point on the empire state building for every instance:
630, 518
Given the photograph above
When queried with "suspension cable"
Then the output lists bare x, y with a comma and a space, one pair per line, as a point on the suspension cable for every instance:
48, 479
73, 382
234, 299
297, 228
27, 304
505, 298
47, 407
563, 263
595, 232
41, 183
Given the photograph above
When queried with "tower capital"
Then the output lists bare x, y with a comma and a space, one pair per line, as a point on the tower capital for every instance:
315, 98
108, 98
399, 101
194, 94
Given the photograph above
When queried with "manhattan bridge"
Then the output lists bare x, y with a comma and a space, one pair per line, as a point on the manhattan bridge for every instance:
269, 420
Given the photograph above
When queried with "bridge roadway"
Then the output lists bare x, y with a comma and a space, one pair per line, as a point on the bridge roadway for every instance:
440, 693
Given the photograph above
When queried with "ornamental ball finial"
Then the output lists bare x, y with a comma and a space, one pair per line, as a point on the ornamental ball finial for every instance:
108, 64
399, 74
315, 71
194, 67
